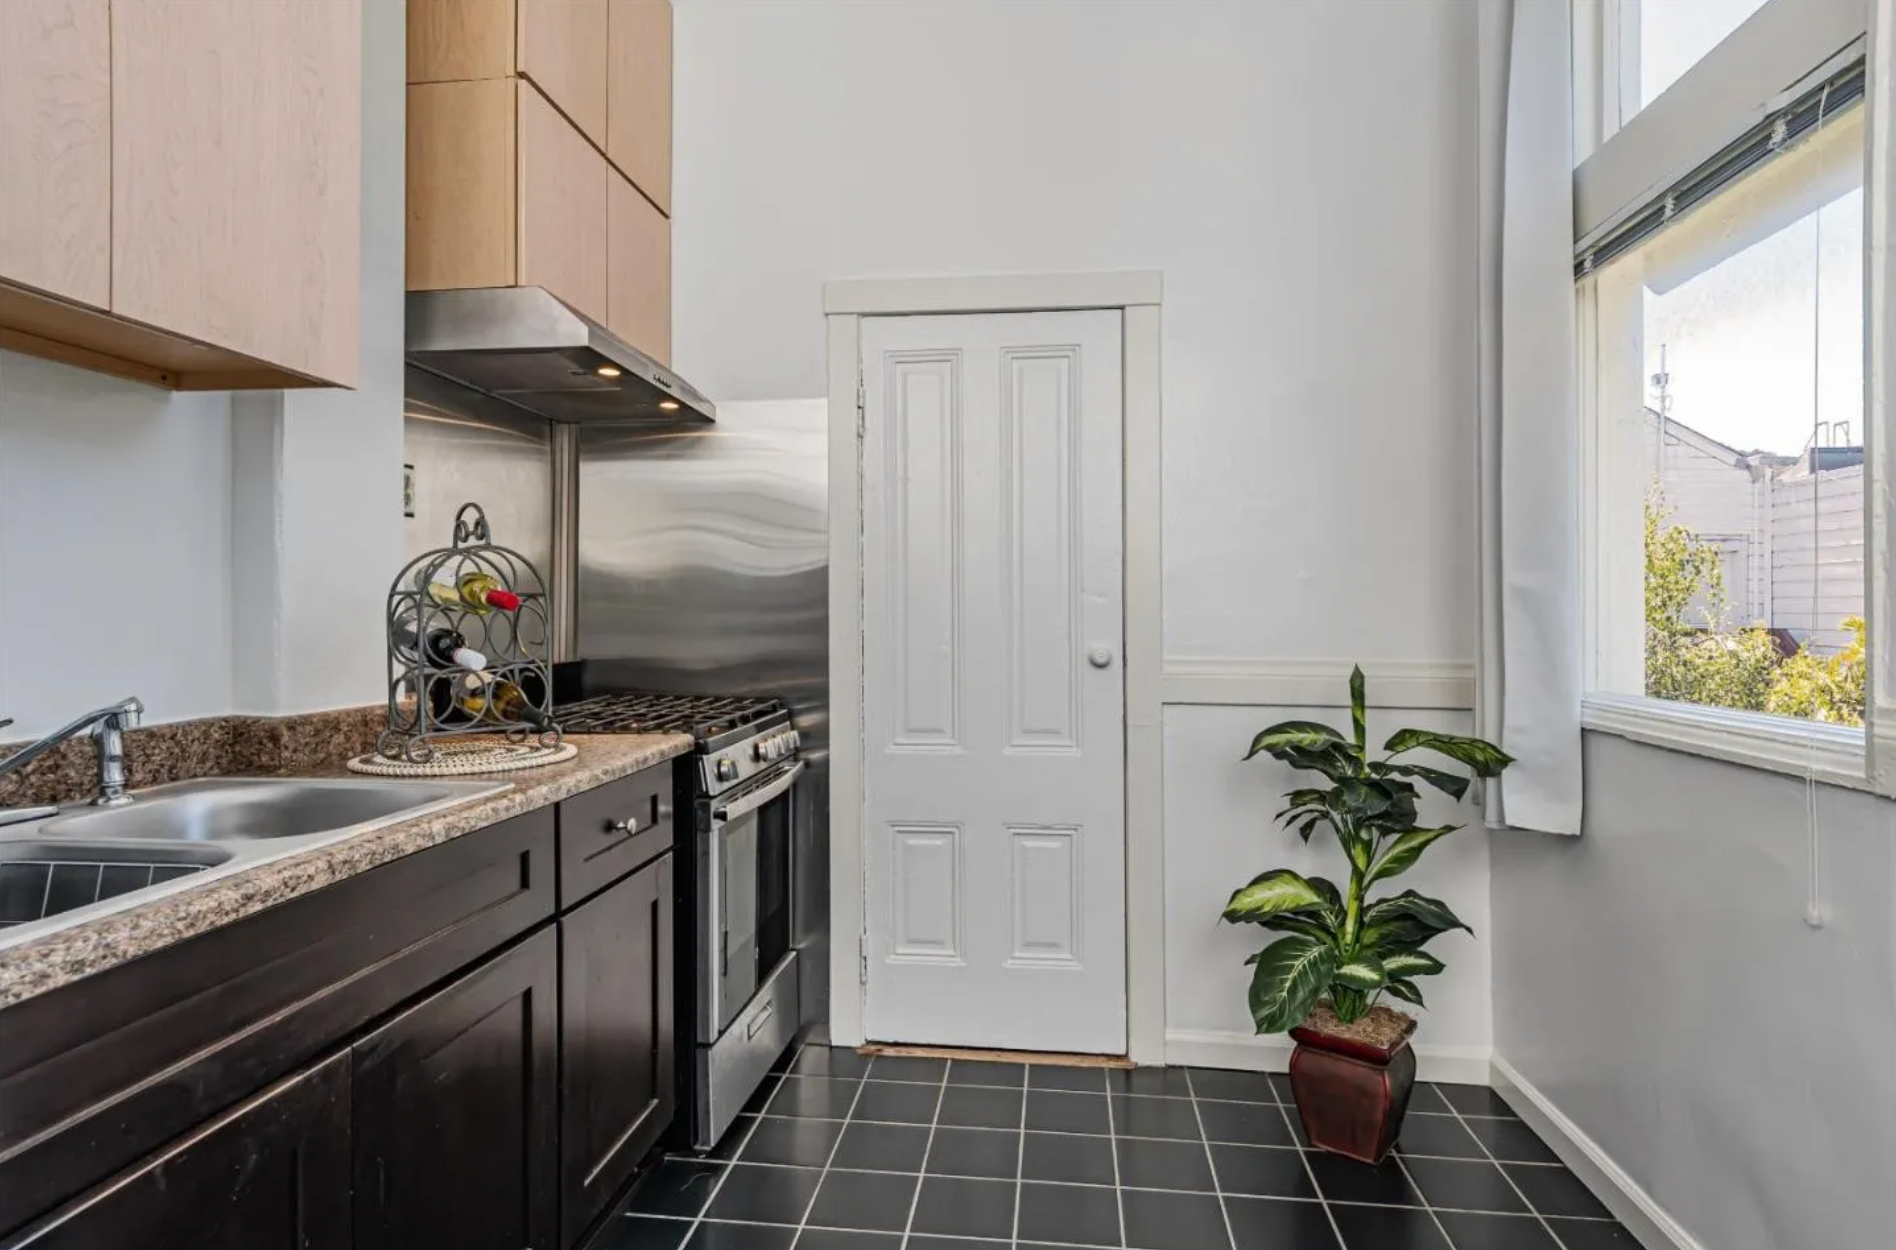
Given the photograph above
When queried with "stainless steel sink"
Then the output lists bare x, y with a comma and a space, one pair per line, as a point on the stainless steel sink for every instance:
85, 861
249, 810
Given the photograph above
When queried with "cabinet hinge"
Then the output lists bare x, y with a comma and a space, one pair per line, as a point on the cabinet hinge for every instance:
862, 968
860, 404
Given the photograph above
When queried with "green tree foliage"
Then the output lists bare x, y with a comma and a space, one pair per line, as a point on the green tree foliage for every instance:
1693, 656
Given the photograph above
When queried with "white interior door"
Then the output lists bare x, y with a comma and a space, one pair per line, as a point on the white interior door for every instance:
993, 700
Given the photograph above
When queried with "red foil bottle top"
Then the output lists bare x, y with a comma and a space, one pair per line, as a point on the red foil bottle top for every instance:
505, 600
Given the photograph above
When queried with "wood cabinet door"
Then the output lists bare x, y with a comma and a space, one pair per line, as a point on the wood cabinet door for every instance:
639, 272
562, 205
56, 147
561, 46
639, 95
617, 1047
237, 176
271, 1174
456, 1112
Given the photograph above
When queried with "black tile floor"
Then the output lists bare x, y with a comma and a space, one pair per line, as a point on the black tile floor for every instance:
853, 1153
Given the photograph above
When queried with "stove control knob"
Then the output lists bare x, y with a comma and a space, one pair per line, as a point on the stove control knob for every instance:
727, 768
795, 739
774, 745
761, 749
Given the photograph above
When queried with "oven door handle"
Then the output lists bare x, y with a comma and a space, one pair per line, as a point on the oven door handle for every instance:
757, 798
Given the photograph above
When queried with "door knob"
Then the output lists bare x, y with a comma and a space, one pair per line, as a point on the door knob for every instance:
1100, 657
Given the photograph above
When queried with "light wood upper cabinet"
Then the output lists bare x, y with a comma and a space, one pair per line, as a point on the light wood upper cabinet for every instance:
462, 169
639, 89
563, 196
180, 188
638, 280
562, 48
56, 147
455, 40
237, 176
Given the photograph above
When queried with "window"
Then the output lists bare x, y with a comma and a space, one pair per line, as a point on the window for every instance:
1721, 365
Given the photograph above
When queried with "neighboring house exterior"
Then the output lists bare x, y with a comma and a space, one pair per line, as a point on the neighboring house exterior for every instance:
1790, 528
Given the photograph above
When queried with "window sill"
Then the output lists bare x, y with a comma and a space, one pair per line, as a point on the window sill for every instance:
1832, 754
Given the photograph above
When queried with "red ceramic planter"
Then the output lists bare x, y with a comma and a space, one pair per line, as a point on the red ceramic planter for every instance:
1350, 1096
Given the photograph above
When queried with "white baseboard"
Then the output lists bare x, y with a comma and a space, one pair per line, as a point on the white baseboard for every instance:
1200, 1048
1643, 1217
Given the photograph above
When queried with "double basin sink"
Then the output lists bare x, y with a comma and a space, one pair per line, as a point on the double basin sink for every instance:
86, 861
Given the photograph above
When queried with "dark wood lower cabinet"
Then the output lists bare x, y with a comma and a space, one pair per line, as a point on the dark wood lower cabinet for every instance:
270, 1174
617, 1050
457, 1112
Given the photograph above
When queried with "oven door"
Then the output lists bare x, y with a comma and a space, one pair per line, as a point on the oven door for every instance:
744, 854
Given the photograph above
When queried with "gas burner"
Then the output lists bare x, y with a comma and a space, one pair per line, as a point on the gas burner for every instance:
703, 716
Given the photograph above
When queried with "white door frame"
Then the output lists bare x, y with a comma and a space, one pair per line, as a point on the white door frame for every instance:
1136, 293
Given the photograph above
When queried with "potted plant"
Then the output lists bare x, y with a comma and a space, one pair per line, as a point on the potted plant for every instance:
1343, 951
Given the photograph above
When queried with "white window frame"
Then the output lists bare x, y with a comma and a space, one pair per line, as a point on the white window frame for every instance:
1625, 158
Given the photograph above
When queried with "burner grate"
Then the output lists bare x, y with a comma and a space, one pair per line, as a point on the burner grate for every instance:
701, 715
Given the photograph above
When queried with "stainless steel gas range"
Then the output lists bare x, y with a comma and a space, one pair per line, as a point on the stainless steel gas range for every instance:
736, 907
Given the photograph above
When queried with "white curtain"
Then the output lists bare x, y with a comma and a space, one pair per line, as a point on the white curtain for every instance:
1528, 678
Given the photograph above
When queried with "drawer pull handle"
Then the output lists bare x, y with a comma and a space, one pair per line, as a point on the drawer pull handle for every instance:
629, 825
759, 1020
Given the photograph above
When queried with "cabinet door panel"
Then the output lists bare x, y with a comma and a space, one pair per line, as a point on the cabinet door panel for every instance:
462, 164
562, 47
456, 1112
272, 1174
459, 40
237, 176
56, 147
639, 95
563, 194
617, 1049
638, 249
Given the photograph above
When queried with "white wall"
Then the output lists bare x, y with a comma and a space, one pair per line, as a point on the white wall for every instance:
114, 546
207, 561
1318, 260
1655, 980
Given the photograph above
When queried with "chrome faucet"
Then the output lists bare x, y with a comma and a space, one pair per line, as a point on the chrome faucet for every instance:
108, 725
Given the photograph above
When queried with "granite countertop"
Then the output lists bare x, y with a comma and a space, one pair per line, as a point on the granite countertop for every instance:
64, 955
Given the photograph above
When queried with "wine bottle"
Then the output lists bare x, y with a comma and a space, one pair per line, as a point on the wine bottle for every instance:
446, 648
480, 592
500, 701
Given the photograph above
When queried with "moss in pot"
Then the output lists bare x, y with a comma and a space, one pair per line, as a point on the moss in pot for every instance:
1343, 952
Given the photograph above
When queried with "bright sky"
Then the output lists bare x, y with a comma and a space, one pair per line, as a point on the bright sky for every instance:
1769, 341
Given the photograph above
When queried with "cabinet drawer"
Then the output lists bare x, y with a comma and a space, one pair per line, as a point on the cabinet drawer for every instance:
607, 832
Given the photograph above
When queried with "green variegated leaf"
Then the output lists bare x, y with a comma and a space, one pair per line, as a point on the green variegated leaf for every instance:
1399, 934
1486, 759
1452, 784
1332, 898
1430, 911
1304, 831
1359, 700
1273, 892
1404, 965
1294, 735
1309, 924
1406, 991
1289, 975
1400, 855
1362, 972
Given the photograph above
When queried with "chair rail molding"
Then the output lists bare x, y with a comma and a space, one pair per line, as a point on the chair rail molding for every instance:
1248, 682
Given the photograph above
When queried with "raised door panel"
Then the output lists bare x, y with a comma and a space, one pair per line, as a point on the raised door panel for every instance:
456, 40
563, 192
56, 147
639, 95
271, 1174
562, 48
638, 255
237, 176
462, 166
617, 1043
456, 1112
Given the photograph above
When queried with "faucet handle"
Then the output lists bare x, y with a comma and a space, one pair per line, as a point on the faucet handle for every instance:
5, 721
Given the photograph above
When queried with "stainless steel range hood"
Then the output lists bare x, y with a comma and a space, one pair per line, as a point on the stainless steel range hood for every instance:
522, 345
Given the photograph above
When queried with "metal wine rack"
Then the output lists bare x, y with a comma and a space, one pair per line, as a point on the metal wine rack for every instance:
426, 698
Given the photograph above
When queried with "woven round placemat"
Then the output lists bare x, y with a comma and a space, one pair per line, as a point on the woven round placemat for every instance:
457, 759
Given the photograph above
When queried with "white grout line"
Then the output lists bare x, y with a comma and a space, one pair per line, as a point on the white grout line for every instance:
1402, 1165
1496, 1165
1020, 1159
1336, 1229
1217, 1182
1112, 1144
724, 1170
828, 1159
915, 1199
